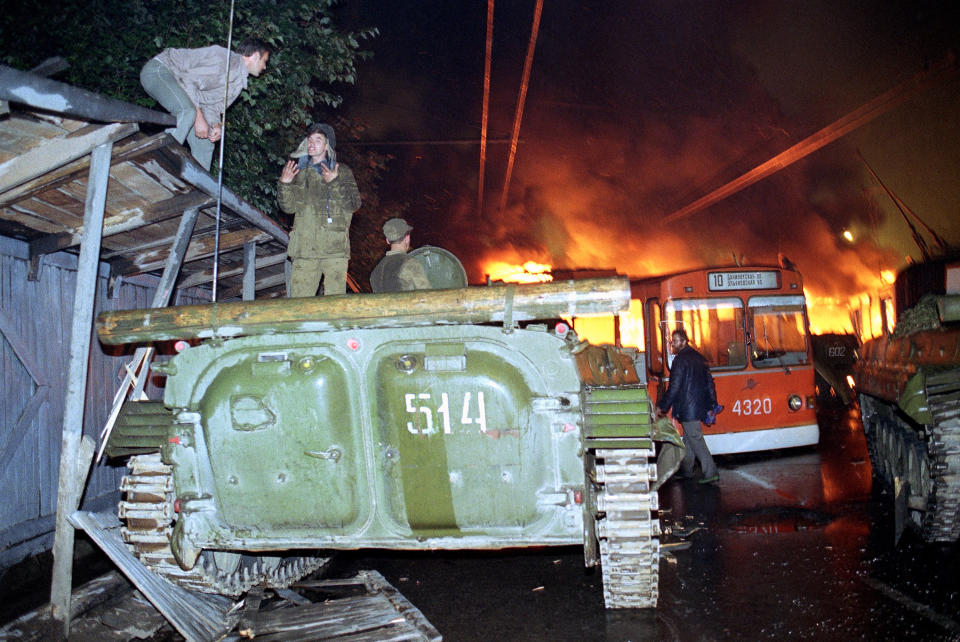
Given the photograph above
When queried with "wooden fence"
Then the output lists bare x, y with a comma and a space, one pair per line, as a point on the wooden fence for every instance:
35, 318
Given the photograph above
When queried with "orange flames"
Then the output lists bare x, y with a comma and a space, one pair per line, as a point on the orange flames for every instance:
859, 314
588, 227
528, 272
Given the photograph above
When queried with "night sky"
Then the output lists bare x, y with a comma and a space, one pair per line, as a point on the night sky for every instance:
637, 108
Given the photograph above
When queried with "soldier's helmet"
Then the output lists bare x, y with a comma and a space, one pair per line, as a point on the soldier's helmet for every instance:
395, 229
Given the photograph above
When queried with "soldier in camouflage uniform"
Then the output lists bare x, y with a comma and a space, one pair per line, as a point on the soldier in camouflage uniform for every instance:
322, 195
396, 271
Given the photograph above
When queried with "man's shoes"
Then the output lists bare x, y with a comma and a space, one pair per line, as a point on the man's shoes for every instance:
711, 479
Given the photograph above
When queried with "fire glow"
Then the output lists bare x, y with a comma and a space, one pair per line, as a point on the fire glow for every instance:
858, 314
528, 272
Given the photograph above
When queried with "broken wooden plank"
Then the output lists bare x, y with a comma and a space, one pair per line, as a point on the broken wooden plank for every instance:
377, 582
381, 613
129, 616
154, 257
196, 616
35, 624
333, 619
193, 173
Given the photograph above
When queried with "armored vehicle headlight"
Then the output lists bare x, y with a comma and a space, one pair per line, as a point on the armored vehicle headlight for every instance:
795, 402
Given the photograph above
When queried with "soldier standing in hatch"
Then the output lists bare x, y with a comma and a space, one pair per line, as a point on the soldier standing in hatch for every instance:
190, 84
397, 272
692, 394
322, 195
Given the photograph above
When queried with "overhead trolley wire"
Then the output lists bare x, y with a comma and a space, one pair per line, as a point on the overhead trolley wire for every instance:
486, 106
518, 117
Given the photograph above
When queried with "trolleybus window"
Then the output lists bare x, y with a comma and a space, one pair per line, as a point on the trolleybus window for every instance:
715, 327
777, 330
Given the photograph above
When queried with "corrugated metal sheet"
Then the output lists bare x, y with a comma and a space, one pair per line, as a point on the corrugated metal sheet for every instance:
39, 313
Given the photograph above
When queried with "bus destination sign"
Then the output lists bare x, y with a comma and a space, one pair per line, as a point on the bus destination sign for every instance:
725, 281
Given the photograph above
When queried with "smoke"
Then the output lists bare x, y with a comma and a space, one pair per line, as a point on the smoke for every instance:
635, 110
605, 160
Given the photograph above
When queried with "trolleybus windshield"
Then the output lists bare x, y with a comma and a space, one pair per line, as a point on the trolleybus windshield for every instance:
777, 331
715, 327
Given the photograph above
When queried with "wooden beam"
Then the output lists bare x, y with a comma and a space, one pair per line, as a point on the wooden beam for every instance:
249, 271
147, 259
11, 439
37, 91
195, 615
161, 298
190, 171
9, 331
125, 221
507, 304
58, 152
261, 284
200, 278
70, 486
69, 172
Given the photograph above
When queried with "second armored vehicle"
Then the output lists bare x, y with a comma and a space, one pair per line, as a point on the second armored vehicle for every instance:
909, 392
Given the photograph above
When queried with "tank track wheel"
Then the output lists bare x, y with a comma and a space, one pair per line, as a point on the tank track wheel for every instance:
942, 523
148, 516
627, 530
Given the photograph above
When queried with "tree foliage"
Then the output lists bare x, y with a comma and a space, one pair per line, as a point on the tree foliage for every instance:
106, 43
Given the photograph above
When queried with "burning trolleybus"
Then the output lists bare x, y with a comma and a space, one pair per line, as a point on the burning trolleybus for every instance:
751, 325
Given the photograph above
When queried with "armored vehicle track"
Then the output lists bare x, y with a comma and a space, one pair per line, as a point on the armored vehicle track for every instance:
928, 460
626, 528
148, 514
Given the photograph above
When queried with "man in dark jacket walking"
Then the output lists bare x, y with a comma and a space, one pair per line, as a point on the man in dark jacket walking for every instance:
692, 395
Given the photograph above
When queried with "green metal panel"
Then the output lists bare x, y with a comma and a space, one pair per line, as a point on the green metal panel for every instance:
282, 449
618, 413
617, 394
460, 440
413, 438
442, 268
913, 399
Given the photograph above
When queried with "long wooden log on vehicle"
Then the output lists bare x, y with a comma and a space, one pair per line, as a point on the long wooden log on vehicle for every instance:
480, 304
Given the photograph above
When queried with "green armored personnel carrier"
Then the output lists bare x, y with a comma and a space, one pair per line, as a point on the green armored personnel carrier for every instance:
908, 385
434, 419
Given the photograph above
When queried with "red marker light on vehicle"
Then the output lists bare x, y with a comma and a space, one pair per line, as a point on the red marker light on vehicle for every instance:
174, 440
176, 505
353, 344
181, 345
578, 497
561, 329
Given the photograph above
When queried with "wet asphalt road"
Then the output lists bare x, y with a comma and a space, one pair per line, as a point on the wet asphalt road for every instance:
795, 544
